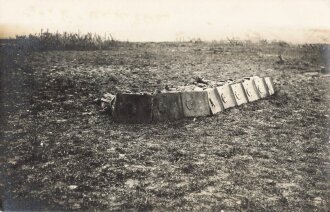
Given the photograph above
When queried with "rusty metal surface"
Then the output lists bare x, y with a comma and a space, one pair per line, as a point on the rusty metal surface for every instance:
261, 86
133, 108
226, 96
167, 106
186, 101
270, 85
239, 93
214, 101
250, 89
195, 103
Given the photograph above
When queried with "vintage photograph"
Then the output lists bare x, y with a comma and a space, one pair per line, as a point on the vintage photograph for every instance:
165, 105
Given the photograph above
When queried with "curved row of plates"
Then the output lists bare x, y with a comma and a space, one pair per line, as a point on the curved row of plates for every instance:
172, 105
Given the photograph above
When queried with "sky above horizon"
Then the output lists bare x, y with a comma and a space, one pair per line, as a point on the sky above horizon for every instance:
295, 21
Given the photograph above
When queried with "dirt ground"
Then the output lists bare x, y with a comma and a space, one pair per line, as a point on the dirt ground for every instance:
59, 150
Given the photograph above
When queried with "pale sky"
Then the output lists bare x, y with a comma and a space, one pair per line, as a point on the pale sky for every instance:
170, 20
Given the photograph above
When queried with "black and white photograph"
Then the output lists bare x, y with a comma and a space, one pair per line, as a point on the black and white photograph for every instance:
165, 105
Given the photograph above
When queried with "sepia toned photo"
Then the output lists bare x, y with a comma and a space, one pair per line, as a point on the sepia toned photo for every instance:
186, 105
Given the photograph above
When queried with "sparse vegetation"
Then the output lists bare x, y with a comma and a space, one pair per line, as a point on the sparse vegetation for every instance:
316, 53
65, 41
235, 42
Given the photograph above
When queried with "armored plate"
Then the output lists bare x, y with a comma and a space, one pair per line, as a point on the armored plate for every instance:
250, 89
133, 108
195, 103
167, 106
261, 87
270, 85
214, 100
239, 93
226, 96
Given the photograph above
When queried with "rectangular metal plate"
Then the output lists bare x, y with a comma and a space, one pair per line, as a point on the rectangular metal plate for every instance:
226, 96
261, 86
270, 85
133, 108
214, 100
239, 93
195, 103
250, 89
167, 106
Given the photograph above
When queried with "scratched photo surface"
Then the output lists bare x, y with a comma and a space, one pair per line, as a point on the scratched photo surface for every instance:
148, 105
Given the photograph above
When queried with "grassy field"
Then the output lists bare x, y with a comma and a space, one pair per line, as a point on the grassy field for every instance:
60, 151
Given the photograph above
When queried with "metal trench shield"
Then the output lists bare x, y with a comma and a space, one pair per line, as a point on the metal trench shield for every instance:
167, 106
133, 108
250, 89
226, 96
270, 85
214, 101
195, 103
261, 86
239, 93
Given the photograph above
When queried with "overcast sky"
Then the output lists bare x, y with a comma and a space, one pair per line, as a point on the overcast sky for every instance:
171, 20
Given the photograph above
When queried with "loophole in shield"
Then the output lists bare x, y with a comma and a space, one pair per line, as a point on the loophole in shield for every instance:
189, 103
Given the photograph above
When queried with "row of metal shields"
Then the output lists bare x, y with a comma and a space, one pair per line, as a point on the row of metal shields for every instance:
172, 105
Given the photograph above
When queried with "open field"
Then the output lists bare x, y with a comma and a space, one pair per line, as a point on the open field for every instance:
60, 151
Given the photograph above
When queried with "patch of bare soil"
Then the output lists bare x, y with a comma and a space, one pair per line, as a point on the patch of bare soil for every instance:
59, 151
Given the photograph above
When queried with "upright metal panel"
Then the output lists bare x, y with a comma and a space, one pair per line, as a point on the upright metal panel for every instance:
239, 93
195, 103
261, 86
226, 96
133, 108
167, 106
214, 100
270, 85
250, 89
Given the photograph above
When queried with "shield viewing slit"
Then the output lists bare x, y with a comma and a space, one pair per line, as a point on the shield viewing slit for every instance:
167, 106
195, 103
226, 96
261, 86
250, 89
214, 100
133, 108
239, 93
